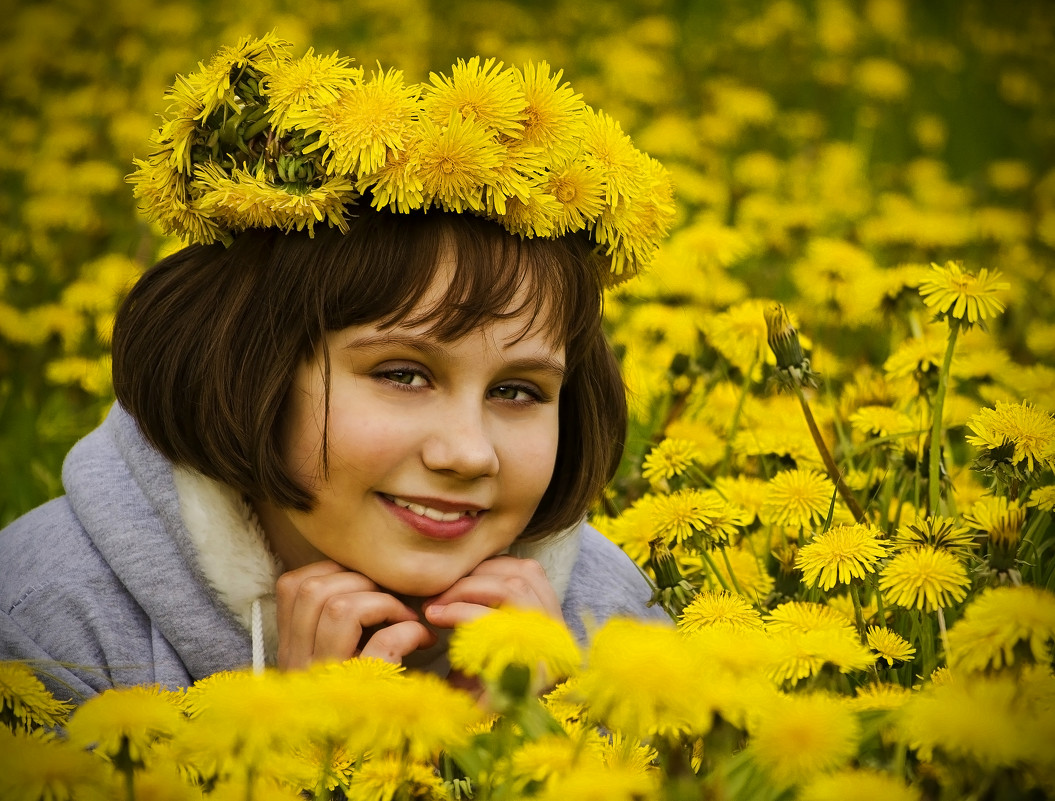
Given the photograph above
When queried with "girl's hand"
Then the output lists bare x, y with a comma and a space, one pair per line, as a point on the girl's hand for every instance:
499, 581
323, 610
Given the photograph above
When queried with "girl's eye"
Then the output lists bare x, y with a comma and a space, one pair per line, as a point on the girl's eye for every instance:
514, 392
404, 377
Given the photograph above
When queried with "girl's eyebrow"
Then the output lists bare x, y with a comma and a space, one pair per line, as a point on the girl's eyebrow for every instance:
431, 349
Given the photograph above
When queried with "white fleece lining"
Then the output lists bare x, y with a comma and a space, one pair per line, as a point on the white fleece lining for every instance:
232, 550
234, 556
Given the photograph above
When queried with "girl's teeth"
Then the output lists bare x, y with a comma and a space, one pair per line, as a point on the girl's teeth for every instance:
431, 514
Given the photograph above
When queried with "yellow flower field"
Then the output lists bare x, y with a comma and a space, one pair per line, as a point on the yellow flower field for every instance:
839, 471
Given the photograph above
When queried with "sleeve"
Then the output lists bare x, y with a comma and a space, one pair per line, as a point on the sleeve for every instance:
606, 583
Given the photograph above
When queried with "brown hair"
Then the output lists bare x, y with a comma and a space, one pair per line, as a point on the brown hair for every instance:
206, 344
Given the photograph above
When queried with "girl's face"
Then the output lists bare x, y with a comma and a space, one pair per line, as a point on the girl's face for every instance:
438, 452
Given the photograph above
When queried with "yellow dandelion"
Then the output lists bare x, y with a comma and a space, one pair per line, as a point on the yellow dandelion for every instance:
962, 295
804, 735
981, 720
806, 616
802, 654
632, 229
422, 715
396, 184
682, 514
746, 492
241, 200
937, 531
602, 783
1031, 432
719, 608
860, 785
643, 678
483, 93
553, 112
882, 421
739, 334
213, 81
295, 85
363, 125
487, 646
916, 356
48, 768
1001, 624
456, 162
881, 696
882, 79
515, 177
388, 776
25, 702
670, 458
841, 554
798, 497
221, 703
890, 646
537, 215
578, 188
549, 756
1042, 499
131, 718
1002, 520
634, 529
615, 154
924, 578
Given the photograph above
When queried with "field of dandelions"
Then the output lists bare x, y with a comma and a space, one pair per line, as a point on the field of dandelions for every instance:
842, 374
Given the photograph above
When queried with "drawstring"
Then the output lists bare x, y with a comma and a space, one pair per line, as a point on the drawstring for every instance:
258, 637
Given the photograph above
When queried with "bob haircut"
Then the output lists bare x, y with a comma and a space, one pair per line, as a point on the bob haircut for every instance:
206, 344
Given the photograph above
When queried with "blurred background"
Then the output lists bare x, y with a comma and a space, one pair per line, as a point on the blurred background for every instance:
817, 147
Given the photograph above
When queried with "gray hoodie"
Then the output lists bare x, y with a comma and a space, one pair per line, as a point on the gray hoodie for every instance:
144, 573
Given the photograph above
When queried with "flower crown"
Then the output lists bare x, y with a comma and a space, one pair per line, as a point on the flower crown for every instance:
259, 139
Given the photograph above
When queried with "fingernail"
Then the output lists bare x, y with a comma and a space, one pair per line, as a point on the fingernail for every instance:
432, 609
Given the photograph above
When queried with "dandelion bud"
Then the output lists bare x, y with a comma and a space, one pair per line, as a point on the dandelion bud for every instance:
782, 337
793, 368
673, 592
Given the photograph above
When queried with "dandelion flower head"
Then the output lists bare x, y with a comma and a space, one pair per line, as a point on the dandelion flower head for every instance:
488, 645
130, 717
1030, 430
798, 497
962, 295
888, 645
841, 554
924, 578
719, 608
804, 735
26, 701
1002, 625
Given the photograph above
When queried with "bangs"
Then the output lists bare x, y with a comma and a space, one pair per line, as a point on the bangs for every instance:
391, 263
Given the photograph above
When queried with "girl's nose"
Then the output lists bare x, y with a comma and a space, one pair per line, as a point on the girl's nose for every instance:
460, 443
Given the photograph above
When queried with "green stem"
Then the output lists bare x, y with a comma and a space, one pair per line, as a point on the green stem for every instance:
942, 632
880, 609
732, 574
933, 485
859, 615
735, 424
714, 569
826, 456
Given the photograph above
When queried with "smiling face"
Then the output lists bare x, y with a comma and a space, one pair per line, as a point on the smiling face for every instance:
438, 452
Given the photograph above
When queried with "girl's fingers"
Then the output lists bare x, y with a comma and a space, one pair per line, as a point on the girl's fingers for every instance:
343, 618
394, 642
502, 581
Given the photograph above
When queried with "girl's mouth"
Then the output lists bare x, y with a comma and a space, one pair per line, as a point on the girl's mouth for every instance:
429, 512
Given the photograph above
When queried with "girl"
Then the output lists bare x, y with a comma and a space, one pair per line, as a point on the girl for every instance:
347, 439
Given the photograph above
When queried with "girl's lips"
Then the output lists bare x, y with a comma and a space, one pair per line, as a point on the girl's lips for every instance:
432, 522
